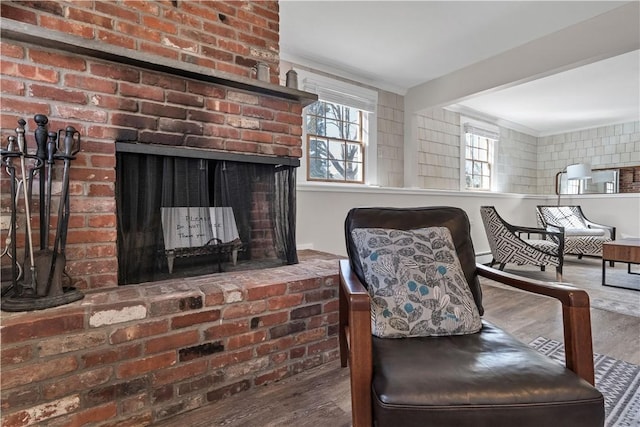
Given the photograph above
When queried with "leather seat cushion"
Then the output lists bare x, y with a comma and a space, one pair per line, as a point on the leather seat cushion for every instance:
484, 379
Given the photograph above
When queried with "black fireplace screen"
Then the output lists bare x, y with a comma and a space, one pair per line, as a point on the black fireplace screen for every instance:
258, 195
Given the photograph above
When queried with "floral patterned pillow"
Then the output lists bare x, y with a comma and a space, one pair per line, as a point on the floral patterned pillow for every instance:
416, 283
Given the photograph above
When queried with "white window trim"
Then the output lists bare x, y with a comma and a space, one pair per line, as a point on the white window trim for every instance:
463, 145
340, 92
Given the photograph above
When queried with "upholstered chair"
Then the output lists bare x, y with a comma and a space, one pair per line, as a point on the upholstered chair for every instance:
512, 244
582, 236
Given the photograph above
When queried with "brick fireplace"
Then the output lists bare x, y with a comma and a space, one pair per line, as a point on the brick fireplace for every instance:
154, 75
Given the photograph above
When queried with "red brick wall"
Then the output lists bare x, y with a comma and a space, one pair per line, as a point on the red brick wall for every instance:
261, 224
630, 180
229, 36
129, 356
138, 354
107, 101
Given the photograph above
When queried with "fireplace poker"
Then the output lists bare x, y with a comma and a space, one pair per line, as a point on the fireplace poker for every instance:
43, 257
51, 151
41, 143
22, 147
75, 148
71, 146
37, 167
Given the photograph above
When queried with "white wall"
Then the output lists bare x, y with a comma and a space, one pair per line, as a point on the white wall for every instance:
433, 162
321, 210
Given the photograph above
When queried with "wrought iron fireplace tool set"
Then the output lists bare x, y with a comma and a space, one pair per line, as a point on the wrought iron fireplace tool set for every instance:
38, 284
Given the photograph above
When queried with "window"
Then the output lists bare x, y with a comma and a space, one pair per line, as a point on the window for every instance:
479, 146
338, 131
574, 186
335, 149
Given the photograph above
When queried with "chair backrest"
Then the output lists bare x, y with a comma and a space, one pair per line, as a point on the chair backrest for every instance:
562, 216
494, 227
454, 219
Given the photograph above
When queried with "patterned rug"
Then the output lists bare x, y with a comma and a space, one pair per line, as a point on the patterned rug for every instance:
617, 380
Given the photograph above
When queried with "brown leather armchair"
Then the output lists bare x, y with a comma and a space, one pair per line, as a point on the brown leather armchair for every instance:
484, 379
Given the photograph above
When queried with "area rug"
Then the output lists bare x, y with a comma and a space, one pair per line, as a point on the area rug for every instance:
617, 380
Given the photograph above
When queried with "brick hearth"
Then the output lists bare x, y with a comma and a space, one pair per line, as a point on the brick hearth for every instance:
142, 353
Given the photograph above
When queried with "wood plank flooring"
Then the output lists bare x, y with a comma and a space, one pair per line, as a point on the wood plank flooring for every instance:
321, 397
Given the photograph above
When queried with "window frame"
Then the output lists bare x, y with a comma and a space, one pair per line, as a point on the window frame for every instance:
343, 142
350, 95
484, 130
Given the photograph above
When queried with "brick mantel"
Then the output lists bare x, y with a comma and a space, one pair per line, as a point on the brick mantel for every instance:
23, 32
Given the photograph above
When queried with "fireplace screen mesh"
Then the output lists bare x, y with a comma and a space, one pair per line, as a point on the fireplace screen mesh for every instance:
256, 201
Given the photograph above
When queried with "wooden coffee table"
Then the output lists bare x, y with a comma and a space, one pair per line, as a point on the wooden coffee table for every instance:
622, 250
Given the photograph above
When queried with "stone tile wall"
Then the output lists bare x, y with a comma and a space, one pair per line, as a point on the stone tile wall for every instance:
390, 139
438, 142
602, 147
516, 162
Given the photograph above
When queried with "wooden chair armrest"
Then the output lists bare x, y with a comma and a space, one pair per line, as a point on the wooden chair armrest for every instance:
576, 317
355, 342
357, 294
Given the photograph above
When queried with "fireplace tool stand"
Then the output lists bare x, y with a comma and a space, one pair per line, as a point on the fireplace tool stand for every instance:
37, 284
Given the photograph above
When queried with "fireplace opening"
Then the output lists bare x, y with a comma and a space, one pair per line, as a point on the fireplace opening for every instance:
188, 216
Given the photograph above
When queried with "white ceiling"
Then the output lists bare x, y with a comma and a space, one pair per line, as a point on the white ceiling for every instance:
400, 45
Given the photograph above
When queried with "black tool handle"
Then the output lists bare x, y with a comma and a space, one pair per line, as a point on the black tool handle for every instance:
41, 135
51, 147
22, 142
69, 145
11, 146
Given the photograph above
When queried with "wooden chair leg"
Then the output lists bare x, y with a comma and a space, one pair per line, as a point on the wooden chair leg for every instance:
558, 274
361, 372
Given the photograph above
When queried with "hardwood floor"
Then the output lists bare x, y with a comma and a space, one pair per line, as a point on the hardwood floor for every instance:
615, 312
320, 397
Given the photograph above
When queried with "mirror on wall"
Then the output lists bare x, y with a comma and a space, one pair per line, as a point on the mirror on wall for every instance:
603, 181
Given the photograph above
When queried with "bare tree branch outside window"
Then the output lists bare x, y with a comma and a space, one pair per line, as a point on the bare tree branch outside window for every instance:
335, 149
